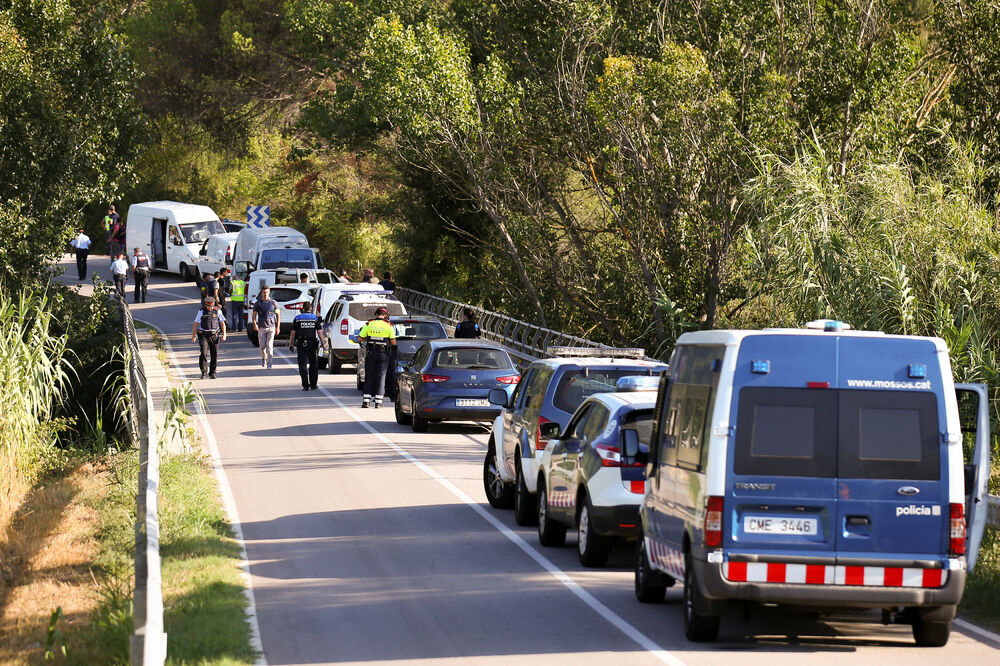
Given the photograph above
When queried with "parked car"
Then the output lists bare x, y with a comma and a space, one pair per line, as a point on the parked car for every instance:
411, 333
344, 320
451, 380
814, 467
550, 391
589, 477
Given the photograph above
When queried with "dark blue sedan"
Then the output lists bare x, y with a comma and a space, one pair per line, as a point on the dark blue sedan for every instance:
450, 380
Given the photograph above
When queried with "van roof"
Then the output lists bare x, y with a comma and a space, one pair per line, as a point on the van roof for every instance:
182, 212
735, 337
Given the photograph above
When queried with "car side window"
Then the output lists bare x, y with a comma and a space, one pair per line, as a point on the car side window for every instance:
420, 358
536, 392
575, 428
521, 389
692, 426
597, 420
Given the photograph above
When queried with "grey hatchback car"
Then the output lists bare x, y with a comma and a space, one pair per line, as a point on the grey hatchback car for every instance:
550, 390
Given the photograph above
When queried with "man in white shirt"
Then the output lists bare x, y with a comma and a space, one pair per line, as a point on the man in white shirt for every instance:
119, 271
82, 246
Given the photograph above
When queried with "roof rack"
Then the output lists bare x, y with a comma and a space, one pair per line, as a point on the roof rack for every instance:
596, 352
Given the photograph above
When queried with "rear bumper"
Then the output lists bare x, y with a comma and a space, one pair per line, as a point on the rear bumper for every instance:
715, 586
619, 521
350, 355
459, 413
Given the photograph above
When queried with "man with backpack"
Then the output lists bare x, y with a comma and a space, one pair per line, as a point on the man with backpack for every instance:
140, 273
208, 330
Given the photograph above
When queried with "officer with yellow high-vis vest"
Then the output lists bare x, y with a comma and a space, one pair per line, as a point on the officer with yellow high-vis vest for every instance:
237, 298
378, 335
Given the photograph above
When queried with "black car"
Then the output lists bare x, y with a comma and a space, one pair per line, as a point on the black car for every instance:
411, 333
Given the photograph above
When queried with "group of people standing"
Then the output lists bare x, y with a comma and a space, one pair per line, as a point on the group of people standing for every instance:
368, 275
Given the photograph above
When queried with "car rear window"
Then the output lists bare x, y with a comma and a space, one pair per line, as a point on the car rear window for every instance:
830, 433
471, 358
575, 386
285, 294
642, 421
366, 311
420, 330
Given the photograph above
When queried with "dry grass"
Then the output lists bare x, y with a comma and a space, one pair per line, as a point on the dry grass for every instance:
45, 563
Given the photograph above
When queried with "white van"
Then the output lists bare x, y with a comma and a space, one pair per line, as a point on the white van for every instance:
216, 252
171, 233
260, 248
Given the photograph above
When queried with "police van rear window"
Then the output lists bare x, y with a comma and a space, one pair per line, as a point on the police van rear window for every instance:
366, 311
831, 433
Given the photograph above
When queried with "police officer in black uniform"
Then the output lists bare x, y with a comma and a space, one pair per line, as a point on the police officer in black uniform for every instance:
307, 336
208, 330
140, 273
378, 336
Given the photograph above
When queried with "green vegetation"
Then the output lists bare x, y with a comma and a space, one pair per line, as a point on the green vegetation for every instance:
980, 600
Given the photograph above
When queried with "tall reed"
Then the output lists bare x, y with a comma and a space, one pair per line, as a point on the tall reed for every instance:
33, 374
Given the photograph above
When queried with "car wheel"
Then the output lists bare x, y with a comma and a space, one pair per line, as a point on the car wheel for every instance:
333, 367
499, 493
419, 423
320, 362
650, 585
253, 337
360, 384
550, 532
594, 548
524, 502
698, 627
401, 418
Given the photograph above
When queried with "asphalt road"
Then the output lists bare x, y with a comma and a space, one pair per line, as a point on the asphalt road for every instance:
370, 543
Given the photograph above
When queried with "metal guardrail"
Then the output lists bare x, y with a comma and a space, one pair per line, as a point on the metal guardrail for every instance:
148, 644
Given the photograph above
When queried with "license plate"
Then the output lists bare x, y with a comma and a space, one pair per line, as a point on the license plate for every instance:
772, 525
472, 402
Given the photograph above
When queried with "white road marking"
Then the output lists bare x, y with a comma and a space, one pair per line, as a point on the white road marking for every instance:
229, 503
609, 615
975, 629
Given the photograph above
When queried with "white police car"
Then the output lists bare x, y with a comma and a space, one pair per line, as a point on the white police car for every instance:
588, 476
819, 467
343, 322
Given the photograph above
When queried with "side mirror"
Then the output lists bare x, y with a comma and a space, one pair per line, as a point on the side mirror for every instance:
550, 430
498, 397
204, 248
631, 451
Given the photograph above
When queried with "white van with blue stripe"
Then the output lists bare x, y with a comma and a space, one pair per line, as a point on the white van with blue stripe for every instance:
814, 467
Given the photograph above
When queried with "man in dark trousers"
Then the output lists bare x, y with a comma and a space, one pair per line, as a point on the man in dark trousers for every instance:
208, 330
117, 236
82, 246
378, 335
140, 273
307, 336
225, 289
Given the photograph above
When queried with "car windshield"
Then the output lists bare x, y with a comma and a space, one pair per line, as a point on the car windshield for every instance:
471, 358
575, 386
286, 258
420, 330
196, 232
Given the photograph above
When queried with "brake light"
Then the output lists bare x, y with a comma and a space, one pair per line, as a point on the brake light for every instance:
540, 443
510, 379
433, 379
610, 455
293, 306
817, 384
343, 327
956, 540
713, 521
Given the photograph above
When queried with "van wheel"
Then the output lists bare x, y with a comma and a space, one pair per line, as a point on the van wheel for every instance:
524, 502
401, 418
650, 585
185, 274
550, 532
929, 629
333, 367
499, 493
419, 423
698, 627
593, 547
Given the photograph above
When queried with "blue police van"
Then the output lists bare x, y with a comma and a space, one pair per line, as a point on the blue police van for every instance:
819, 467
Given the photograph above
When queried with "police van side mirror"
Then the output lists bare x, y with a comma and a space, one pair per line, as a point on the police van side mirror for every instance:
498, 397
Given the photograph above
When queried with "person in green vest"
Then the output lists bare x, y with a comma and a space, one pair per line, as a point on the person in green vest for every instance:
107, 230
237, 298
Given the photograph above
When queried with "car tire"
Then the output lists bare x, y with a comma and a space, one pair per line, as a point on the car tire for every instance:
360, 384
333, 367
419, 423
928, 629
185, 274
650, 585
525, 512
499, 493
593, 548
550, 532
321, 363
401, 418
698, 627
253, 337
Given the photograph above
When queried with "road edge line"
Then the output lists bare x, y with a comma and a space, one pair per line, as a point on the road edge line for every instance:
228, 503
976, 629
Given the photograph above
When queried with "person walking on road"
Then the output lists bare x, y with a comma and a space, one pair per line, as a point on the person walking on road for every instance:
267, 321
140, 273
82, 246
307, 337
117, 234
238, 297
208, 330
119, 273
469, 328
209, 287
225, 288
378, 335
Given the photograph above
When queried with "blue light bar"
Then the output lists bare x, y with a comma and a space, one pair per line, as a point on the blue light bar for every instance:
760, 367
637, 383
918, 371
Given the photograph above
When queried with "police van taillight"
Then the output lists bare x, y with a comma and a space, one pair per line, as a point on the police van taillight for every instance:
713, 521
956, 534
343, 326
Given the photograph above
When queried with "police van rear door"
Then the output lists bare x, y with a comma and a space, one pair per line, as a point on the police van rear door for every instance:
782, 491
892, 464
973, 405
